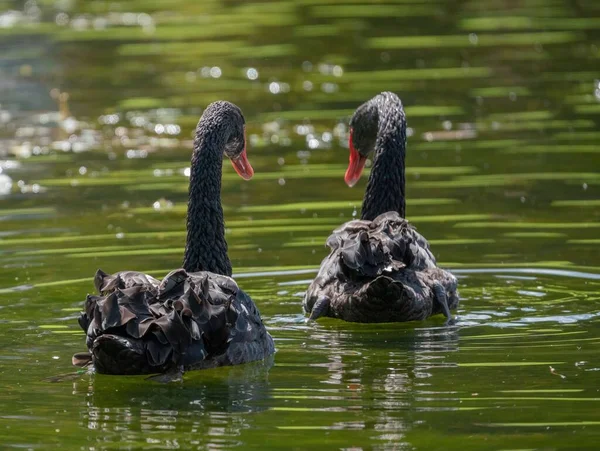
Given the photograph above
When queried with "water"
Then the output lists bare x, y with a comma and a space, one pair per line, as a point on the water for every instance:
97, 104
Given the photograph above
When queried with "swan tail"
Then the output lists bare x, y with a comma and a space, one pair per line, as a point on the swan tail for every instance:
114, 354
398, 300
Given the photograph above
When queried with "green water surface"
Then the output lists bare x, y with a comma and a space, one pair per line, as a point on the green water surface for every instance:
98, 100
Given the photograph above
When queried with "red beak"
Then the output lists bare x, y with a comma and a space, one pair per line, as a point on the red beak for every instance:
242, 166
355, 166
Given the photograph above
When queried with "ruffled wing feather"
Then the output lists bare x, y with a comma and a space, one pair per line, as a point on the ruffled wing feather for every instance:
389, 242
377, 271
141, 325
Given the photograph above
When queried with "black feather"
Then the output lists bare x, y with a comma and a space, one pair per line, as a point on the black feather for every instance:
380, 268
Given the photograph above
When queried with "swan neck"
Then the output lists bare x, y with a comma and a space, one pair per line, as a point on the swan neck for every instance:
206, 247
386, 186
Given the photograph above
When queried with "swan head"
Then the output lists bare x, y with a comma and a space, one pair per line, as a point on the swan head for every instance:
233, 126
375, 125
363, 135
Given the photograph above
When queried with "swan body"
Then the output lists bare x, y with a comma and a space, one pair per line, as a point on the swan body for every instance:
380, 269
196, 317
138, 325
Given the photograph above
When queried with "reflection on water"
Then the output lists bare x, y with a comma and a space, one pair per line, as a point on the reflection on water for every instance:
349, 384
203, 411
217, 409
97, 105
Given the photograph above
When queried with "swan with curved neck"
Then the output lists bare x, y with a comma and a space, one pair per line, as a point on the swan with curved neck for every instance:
196, 317
380, 269
220, 132
379, 126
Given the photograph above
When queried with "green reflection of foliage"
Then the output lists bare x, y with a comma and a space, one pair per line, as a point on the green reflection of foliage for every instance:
520, 22
316, 206
517, 77
458, 41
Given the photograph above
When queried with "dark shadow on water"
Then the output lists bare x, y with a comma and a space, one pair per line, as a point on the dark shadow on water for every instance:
234, 389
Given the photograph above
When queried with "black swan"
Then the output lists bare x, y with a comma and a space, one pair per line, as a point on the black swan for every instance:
379, 268
197, 317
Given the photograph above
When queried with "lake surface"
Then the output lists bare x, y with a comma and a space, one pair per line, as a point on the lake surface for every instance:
98, 101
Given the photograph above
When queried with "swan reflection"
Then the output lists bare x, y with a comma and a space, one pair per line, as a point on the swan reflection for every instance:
210, 408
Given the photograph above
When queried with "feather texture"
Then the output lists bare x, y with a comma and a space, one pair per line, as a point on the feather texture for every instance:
196, 317
380, 268
138, 325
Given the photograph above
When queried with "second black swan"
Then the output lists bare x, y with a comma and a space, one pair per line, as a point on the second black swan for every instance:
380, 269
197, 316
